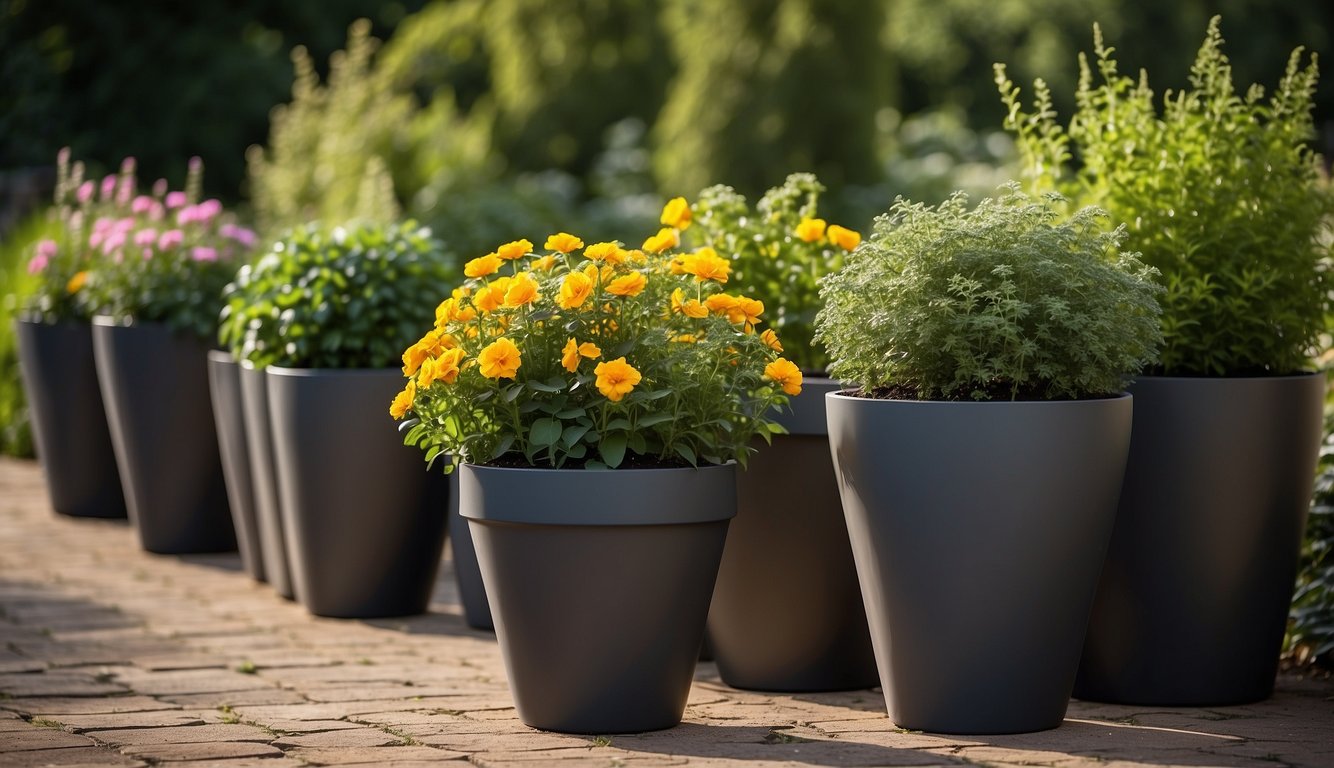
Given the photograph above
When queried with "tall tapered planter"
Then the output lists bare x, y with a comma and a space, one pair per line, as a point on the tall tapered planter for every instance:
154, 384
224, 386
979, 531
69, 423
787, 612
264, 477
467, 574
364, 517
599, 585
1194, 597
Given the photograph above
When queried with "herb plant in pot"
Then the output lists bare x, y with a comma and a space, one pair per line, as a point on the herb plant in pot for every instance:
55, 344
324, 316
157, 289
1222, 195
981, 457
787, 614
599, 421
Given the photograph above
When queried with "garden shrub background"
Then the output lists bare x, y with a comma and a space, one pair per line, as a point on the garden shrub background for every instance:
494, 119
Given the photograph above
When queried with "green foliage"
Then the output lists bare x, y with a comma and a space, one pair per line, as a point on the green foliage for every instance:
1002, 302
1311, 627
1221, 192
15, 285
350, 296
764, 87
588, 360
770, 261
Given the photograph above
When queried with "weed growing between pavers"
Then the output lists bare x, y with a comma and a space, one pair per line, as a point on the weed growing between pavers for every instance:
247, 668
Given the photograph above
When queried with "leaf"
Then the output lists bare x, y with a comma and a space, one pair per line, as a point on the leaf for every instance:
573, 434
655, 418
687, 453
612, 449
545, 432
503, 447
541, 386
512, 393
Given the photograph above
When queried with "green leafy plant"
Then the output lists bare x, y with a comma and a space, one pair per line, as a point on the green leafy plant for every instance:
335, 297
604, 359
1221, 192
779, 252
1311, 620
159, 258
1006, 301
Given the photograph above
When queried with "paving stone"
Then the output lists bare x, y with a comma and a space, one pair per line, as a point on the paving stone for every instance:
235, 698
190, 681
372, 755
153, 719
69, 757
56, 684
36, 737
216, 750
183, 734
56, 705
346, 737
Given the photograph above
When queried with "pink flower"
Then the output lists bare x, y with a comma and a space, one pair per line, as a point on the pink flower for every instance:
37, 263
148, 254
175, 200
208, 209
47, 248
113, 241
156, 211
170, 239
141, 204
108, 185
145, 237
203, 253
246, 237
159, 188
96, 238
102, 224
187, 215
124, 225
85, 192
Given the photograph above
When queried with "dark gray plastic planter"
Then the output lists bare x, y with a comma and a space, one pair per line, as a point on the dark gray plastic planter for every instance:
472, 593
155, 387
599, 584
69, 424
364, 518
1194, 596
273, 545
224, 386
787, 613
979, 531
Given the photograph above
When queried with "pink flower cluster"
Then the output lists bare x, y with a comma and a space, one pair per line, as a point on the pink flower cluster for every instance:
46, 250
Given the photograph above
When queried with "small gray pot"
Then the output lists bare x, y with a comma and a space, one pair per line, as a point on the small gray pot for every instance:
69, 424
365, 519
224, 386
979, 531
472, 593
787, 613
155, 387
273, 544
1194, 596
599, 584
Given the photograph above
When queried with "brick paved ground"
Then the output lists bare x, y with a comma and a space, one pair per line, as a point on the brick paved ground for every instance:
113, 657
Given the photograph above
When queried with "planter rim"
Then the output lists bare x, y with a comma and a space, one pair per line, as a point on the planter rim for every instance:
833, 396
282, 370
221, 356
1278, 377
618, 498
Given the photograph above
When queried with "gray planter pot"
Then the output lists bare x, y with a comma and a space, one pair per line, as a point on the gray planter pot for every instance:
467, 573
599, 585
273, 544
787, 613
69, 424
365, 519
1194, 596
155, 387
224, 386
979, 531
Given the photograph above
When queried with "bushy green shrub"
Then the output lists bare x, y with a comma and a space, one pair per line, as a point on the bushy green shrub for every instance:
1220, 191
1007, 301
16, 248
350, 296
1311, 621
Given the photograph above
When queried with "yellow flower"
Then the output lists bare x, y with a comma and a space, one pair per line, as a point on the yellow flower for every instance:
785, 374
844, 238
500, 359
450, 311
676, 213
573, 351
563, 242
608, 252
522, 290
628, 285
482, 266
545, 263
685, 338
616, 378
688, 307
76, 282
770, 340
446, 367
722, 304
403, 401
492, 296
811, 230
706, 264
750, 310
575, 290
514, 250
637, 256
665, 239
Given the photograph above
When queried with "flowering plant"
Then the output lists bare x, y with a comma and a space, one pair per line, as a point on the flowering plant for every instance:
161, 258
596, 356
334, 297
779, 252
